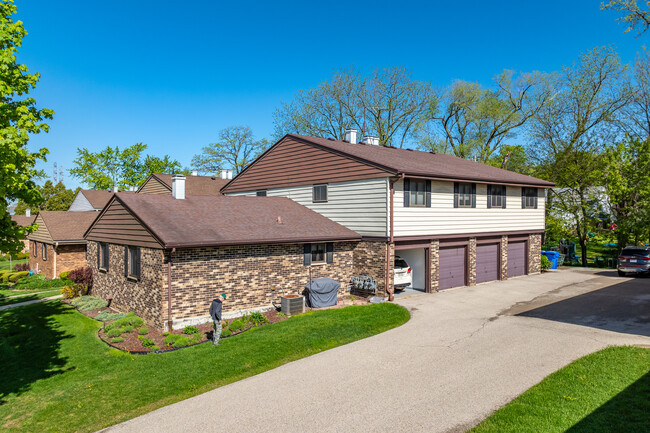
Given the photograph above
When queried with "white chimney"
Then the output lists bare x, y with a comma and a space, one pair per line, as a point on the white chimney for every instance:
195, 173
28, 212
351, 136
178, 186
229, 174
371, 139
114, 188
224, 174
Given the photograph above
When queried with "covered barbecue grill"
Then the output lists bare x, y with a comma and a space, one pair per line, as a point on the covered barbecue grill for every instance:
322, 292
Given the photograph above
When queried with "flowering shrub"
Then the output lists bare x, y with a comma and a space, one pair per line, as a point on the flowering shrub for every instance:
83, 276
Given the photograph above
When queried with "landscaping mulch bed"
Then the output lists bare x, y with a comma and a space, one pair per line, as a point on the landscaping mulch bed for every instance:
132, 343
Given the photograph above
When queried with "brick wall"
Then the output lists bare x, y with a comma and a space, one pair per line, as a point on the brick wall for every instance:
471, 271
534, 253
69, 257
247, 275
144, 297
45, 267
435, 264
370, 261
504, 257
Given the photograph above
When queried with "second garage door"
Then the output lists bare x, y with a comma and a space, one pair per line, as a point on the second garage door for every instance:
516, 259
452, 267
487, 263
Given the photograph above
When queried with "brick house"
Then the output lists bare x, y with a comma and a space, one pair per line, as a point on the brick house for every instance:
166, 256
456, 222
58, 244
24, 221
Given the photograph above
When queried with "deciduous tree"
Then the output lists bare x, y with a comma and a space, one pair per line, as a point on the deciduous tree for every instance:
636, 17
236, 148
54, 197
19, 118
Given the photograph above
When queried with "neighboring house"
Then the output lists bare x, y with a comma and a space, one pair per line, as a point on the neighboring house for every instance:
24, 221
194, 185
90, 200
58, 245
566, 204
458, 222
167, 256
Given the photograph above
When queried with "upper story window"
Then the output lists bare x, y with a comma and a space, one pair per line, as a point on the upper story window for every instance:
44, 251
132, 266
464, 194
102, 256
261, 193
496, 196
319, 193
529, 198
417, 190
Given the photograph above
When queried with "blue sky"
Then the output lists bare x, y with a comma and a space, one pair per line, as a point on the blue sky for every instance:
172, 74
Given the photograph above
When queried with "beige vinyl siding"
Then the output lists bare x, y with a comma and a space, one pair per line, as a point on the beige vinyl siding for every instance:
80, 204
360, 205
42, 234
442, 218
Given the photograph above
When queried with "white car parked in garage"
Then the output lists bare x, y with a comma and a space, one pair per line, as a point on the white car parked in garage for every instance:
402, 274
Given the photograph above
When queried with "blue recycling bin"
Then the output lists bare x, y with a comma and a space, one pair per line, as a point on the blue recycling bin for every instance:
553, 256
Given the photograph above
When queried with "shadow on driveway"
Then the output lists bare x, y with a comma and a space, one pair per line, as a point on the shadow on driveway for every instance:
620, 307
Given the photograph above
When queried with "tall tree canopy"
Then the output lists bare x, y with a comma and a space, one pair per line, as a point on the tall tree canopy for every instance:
571, 131
54, 197
386, 103
474, 122
122, 168
236, 148
636, 17
19, 117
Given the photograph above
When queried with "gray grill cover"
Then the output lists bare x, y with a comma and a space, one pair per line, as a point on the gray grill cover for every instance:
322, 292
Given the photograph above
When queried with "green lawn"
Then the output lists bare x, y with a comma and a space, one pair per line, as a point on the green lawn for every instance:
12, 296
4, 265
61, 377
607, 391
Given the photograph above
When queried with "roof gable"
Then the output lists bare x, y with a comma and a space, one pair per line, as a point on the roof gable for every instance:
160, 183
62, 226
293, 161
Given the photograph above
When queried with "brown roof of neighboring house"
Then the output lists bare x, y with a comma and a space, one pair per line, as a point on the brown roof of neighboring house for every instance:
424, 164
23, 220
196, 185
67, 227
97, 198
221, 220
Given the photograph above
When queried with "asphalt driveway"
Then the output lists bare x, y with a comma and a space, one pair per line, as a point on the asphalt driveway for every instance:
464, 353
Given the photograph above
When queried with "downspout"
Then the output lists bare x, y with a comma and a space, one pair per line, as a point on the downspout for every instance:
391, 233
169, 290
56, 246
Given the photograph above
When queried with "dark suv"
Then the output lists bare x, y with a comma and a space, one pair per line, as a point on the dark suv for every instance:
634, 260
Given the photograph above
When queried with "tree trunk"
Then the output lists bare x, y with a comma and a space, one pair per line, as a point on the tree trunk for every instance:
583, 250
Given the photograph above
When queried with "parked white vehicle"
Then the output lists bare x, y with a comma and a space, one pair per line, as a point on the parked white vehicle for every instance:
402, 274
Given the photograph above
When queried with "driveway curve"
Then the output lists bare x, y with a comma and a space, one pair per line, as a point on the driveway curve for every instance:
464, 353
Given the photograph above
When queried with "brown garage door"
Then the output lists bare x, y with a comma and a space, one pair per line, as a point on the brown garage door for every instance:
487, 263
516, 259
452, 267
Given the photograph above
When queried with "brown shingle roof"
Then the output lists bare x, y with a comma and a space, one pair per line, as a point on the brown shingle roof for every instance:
196, 185
65, 226
426, 164
97, 198
23, 220
220, 220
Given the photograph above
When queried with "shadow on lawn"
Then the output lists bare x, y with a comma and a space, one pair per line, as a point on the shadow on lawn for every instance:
628, 411
6, 300
620, 307
29, 346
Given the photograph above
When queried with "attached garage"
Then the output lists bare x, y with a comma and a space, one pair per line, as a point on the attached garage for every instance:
517, 252
487, 263
452, 267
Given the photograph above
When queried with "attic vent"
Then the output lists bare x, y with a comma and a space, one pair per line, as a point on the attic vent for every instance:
280, 220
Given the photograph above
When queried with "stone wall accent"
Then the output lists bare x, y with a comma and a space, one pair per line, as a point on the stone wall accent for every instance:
144, 297
534, 253
70, 257
45, 267
251, 276
435, 264
370, 261
504, 257
471, 271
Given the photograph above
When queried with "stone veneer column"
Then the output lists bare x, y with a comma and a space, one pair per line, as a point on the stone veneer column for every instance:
435, 262
391, 267
535, 253
504, 257
471, 280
